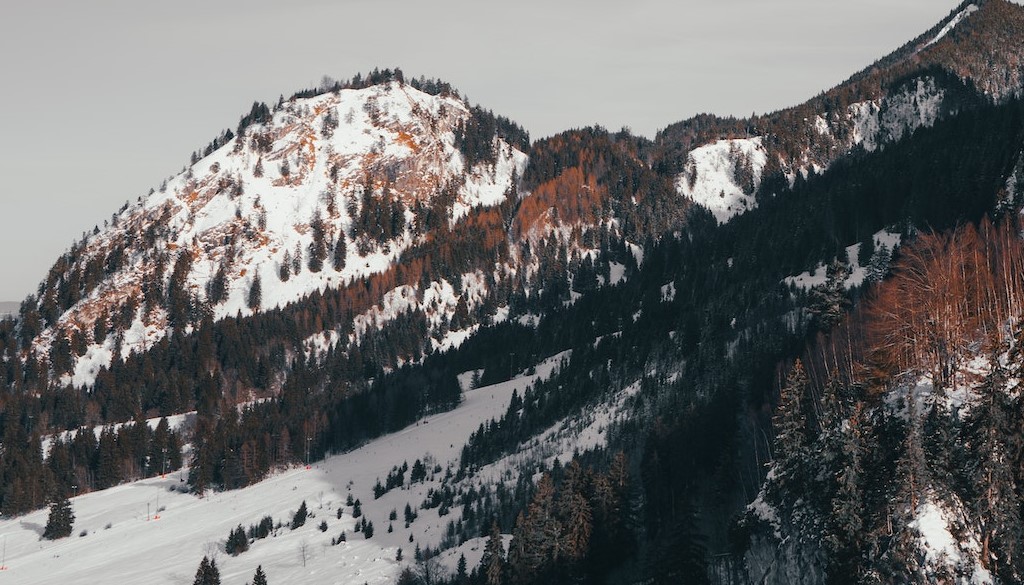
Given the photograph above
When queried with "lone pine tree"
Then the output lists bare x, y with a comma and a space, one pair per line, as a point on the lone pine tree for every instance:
60, 521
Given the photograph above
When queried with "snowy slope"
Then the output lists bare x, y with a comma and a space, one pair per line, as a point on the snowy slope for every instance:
251, 205
724, 176
138, 548
969, 10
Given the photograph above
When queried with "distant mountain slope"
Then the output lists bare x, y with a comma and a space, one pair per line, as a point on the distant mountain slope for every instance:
970, 58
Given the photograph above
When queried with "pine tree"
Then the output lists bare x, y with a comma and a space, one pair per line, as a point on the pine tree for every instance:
996, 505
493, 561
60, 521
866, 251
340, 252
255, 293
259, 578
207, 574
828, 301
791, 449
285, 270
845, 524
300, 516
878, 266
237, 542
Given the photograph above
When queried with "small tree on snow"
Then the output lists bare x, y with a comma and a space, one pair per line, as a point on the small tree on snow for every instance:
259, 578
60, 521
207, 574
300, 516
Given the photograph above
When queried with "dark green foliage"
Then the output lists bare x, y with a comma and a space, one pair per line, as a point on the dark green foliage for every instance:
828, 301
60, 521
340, 252
475, 137
259, 578
262, 529
255, 298
237, 542
258, 114
791, 445
216, 288
300, 516
207, 574
419, 472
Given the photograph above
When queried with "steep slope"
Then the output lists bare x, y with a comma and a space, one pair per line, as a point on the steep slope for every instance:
321, 192
970, 58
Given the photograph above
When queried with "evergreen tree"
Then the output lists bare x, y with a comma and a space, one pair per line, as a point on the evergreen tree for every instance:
866, 250
845, 523
340, 252
259, 578
997, 505
285, 270
60, 521
207, 574
300, 516
493, 561
255, 293
828, 301
237, 542
878, 266
791, 448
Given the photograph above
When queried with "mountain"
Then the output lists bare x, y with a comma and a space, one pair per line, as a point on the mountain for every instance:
750, 370
969, 59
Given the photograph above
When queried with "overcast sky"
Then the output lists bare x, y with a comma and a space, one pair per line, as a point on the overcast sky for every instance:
101, 100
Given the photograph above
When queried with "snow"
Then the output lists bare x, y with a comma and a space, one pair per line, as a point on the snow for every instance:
88, 365
818, 276
222, 213
138, 548
709, 177
617, 272
934, 529
944, 552
765, 511
668, 292
877, 122
971, 9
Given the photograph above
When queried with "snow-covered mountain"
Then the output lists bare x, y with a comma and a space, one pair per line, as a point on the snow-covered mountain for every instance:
600, 322
297, 202
970, 57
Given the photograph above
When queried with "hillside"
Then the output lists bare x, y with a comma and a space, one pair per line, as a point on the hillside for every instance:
718, 356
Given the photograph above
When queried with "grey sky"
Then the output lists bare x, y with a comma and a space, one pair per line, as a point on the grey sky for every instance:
101, 100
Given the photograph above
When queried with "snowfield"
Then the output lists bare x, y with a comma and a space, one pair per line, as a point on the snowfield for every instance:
119, 539
712, 175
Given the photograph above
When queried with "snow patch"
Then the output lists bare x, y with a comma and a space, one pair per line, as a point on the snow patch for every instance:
668, 292
971, 9
724, 176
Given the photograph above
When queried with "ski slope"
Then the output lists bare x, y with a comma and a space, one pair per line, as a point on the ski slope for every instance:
124, 541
